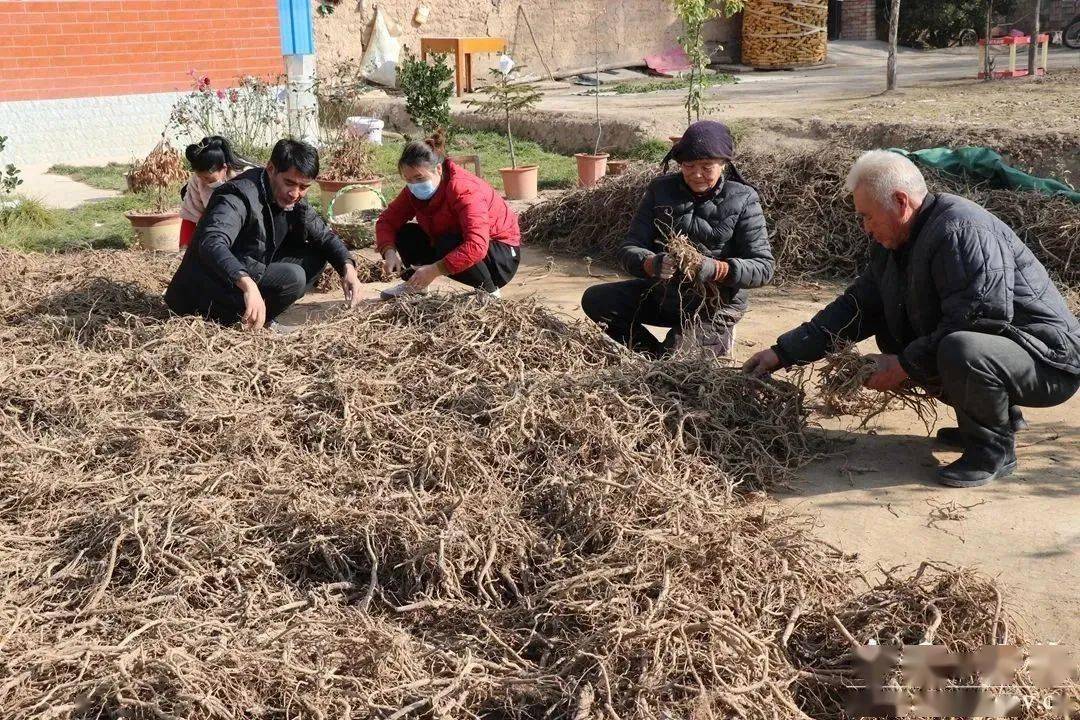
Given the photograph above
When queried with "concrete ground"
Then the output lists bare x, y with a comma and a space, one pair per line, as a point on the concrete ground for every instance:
856, 72
876, 495
58, 191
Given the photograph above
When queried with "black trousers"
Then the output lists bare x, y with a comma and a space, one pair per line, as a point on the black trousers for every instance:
285, 281
494, 271
983, 374
624, 309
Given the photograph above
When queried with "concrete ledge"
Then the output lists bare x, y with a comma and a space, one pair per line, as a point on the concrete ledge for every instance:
562, 132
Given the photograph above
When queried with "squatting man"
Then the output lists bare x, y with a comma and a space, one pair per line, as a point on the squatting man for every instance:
957, 304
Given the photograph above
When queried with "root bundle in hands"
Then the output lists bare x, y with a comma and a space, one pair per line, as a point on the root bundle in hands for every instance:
841, 386
439, 506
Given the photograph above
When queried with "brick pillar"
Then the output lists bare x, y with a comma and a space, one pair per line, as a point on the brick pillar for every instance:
857, 21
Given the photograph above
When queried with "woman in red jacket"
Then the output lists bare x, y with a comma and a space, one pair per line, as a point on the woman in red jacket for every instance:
463, 228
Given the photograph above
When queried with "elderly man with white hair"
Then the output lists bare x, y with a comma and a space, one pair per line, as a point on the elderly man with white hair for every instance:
957, 303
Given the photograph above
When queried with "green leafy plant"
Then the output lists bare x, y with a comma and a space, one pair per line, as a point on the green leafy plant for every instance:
10, 180
504, 100
694, 14
428, 87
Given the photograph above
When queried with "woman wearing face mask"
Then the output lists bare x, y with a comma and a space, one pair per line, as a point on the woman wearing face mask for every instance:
709, 203
212, 163
463, 229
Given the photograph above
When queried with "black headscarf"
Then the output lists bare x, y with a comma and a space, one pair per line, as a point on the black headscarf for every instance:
705, 140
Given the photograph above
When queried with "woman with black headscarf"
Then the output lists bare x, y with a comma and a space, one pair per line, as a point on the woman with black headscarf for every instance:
709, 203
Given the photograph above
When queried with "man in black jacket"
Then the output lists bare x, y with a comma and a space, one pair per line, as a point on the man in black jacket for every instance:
708, 203
958, 304
259, 247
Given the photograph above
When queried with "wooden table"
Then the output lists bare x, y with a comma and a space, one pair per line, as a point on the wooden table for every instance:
462, 48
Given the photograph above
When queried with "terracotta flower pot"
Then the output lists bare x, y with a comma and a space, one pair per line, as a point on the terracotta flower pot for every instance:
520, 183
353, 199
590, 168
617, 167
156, 231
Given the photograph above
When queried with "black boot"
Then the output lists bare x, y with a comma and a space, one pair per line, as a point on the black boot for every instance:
978, 466
952, 436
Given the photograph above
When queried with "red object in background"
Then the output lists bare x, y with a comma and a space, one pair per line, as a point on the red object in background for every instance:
668, 62
187, 231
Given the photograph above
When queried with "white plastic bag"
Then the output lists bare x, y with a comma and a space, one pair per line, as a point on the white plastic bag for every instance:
380, 59
506, 64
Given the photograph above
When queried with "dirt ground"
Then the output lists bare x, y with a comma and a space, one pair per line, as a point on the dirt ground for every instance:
875, 494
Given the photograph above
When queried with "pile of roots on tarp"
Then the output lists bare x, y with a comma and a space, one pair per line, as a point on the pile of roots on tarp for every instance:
440, 507
813, 227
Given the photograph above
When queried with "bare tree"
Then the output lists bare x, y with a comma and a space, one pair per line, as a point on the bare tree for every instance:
1033, 48
988, 65
894, 28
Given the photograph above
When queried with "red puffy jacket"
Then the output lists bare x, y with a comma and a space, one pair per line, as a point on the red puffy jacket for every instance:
463, 205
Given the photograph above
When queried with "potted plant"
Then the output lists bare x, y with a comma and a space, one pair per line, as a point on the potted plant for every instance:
158, 226
590, 168
348, 178
504, 100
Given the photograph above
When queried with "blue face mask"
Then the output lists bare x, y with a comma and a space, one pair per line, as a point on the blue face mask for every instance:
423, 190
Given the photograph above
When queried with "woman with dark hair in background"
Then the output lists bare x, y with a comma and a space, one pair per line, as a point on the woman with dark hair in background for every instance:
212, 164
463, 229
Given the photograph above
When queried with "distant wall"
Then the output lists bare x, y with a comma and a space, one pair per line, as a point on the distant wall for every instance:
564, 30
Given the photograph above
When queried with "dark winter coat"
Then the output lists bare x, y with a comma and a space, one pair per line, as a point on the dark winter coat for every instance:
727, 224
963, 269
235, 236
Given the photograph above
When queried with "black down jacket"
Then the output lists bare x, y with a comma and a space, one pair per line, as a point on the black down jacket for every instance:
962, 270
235, 236
726, 225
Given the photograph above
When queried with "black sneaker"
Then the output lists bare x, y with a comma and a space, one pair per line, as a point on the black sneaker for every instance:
952, 436
977, 467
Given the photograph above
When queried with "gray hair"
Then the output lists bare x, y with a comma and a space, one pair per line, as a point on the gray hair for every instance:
883, 172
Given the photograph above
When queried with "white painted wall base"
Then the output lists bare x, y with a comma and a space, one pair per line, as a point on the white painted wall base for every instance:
83, 131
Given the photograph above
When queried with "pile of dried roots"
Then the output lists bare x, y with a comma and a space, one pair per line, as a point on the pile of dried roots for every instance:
439, 507
812, 222
840, 380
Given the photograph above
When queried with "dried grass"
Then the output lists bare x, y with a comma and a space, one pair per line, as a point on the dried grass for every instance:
437, 507
813, 227
840, 381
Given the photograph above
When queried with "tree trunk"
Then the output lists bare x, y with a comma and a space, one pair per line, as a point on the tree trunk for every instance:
894, 29
1033, 48
510, 140
987, 65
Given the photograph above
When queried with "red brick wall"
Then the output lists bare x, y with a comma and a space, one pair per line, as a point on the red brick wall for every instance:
857, 22
116, 47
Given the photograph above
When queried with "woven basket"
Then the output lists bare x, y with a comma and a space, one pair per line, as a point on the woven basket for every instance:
785, 33
357, 228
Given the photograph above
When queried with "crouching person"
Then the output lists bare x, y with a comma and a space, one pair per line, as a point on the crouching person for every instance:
260, 247
957, 304
708, 203
463, 228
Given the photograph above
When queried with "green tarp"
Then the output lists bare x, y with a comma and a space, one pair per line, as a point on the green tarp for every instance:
983, 164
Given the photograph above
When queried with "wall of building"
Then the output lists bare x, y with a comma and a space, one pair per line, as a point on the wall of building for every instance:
567, 34
104, 73
858, 20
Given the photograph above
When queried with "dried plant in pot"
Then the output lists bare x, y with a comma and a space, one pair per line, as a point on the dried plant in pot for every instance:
157, 227
347, 180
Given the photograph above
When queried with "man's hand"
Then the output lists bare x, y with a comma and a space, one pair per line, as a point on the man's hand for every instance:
350, 283
391, 262
712, 271
890, 374
660, 266
424, 276
254, 306
762, 363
